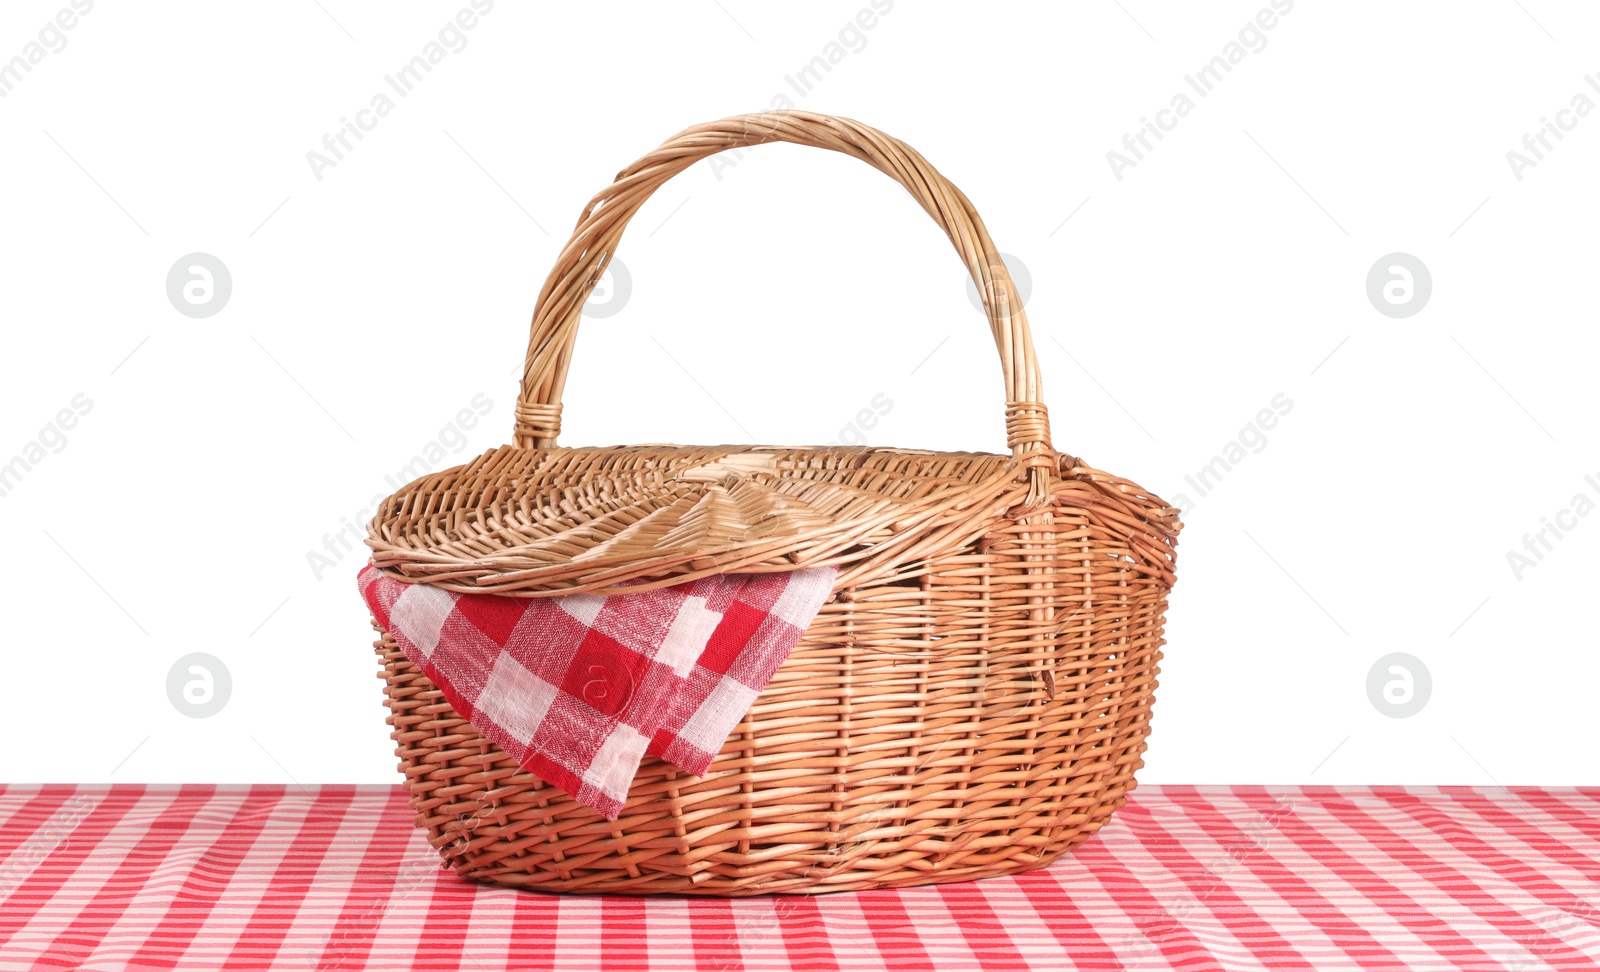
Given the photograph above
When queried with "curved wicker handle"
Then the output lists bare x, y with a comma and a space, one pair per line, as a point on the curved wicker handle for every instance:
581, 263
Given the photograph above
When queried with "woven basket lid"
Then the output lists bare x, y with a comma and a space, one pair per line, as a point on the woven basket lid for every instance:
536, 519
524, 521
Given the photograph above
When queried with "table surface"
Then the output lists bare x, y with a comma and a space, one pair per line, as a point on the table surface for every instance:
269, 877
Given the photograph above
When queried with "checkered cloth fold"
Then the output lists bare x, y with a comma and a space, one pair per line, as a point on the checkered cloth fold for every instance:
579, 688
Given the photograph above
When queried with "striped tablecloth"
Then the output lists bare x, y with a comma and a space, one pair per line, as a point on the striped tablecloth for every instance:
205, 877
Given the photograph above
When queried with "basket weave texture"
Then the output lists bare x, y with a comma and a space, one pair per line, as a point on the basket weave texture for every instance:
972, 701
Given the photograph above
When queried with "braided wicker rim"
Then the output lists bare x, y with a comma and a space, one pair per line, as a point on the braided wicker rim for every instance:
972, 701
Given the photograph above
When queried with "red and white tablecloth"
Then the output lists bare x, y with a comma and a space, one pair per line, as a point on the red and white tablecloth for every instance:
269, 877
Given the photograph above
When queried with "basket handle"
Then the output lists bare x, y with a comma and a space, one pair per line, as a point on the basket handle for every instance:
584, 259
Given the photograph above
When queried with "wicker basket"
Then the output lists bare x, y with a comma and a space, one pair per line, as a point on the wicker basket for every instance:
972, 701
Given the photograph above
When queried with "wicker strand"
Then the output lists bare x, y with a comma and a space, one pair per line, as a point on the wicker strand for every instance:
539, 421
599, 229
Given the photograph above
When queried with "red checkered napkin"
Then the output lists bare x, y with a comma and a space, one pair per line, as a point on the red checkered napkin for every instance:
579, 688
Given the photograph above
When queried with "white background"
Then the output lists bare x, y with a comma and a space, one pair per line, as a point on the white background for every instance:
369, 307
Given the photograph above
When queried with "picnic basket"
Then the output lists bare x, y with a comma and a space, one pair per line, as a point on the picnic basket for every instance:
974, 698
